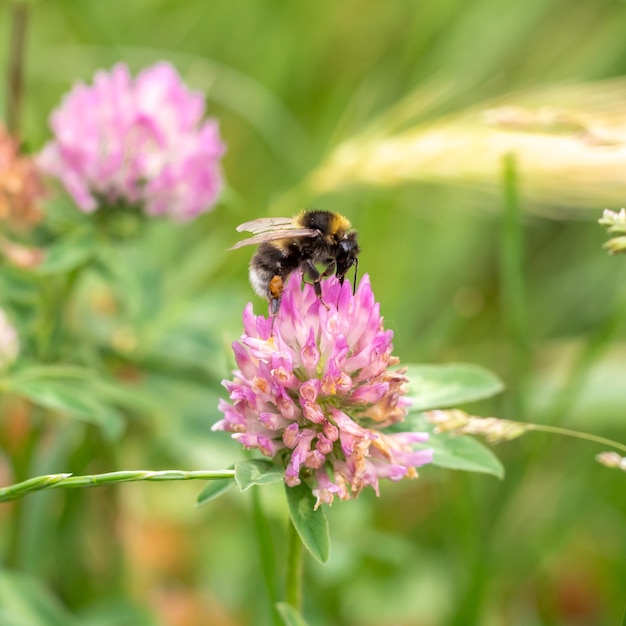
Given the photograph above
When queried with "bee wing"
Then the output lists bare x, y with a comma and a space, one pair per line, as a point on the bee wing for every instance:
275, 235
264, 224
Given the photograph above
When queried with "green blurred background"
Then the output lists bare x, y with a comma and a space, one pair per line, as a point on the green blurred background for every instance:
289, 81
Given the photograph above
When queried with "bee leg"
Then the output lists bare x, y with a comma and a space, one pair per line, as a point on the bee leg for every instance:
275, 290
272, 325
318, 292
311, 272
330, 269
274, 306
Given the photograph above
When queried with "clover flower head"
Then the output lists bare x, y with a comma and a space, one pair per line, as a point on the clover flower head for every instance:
316, 392
137, 141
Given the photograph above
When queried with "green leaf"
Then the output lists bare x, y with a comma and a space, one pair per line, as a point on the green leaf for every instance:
87, 383
461, 452
257, 472
289, 615
440, 386
311, 525
111, 391
24, 601
70, 390
19, 287
73, 401
214, 489
116, 612
130, 396
67, 253
64, 216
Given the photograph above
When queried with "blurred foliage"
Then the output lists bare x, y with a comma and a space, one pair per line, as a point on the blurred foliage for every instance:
290, 82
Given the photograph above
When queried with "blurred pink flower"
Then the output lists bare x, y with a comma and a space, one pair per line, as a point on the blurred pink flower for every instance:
317, 393
141, 141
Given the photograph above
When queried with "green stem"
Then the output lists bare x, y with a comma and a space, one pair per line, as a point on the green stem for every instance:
469, 530
512, 287
293, 583
577, 434
268, 560
15, 77
52, 481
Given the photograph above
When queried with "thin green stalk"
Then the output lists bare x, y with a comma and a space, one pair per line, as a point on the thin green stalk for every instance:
15, 77
295, 563
67, 481
498, 430
577, 434
468, 530
268, 558
514, 309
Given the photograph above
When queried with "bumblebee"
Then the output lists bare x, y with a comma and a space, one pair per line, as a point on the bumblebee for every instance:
319, 243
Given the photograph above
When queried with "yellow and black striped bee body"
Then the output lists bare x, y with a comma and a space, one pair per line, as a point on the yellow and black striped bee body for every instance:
319, 243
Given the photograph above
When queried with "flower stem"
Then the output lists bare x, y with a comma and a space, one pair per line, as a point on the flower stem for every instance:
15, 78
293, 585
52, 481
512, 286
266, 549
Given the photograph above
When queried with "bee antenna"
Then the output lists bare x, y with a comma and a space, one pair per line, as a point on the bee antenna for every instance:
356, 271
